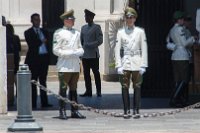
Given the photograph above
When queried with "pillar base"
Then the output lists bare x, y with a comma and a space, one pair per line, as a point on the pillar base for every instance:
24, 126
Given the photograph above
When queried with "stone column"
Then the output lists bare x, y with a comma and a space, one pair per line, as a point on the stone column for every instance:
3, 66
110, 18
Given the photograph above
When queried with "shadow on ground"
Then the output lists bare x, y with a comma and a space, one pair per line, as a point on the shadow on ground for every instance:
107, 101
111, 101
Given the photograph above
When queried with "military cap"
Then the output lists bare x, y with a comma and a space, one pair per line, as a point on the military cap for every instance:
89, 13
178, 15
68, 15
130, 12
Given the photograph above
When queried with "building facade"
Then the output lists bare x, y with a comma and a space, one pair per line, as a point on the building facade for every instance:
154, 16
3, 72
109, 14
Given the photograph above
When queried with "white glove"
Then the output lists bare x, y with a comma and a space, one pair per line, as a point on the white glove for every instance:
120, 70
142, 70
171, 46
74, 55
78, 53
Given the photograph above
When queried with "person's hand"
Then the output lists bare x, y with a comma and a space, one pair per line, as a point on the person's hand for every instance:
120, 70
171, 46
196, 39
74, 54
78, 53
142, 70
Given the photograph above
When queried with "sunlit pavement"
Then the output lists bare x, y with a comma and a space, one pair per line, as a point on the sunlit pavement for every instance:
184, 122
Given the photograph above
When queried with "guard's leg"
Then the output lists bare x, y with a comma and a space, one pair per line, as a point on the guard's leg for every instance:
172, 101
186, 95
136, 100
95, 70
137, 81
125, 82
62, 92
185, 76
181, 73
176, 100
62, 109
73, 95
87, 78
126, 101
183, 96
74, 109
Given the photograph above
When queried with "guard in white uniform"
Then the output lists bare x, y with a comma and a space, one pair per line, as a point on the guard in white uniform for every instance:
67, 46
131, 60
179, 43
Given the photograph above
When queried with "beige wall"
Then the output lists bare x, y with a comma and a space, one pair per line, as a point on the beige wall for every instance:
18, 13
3, 72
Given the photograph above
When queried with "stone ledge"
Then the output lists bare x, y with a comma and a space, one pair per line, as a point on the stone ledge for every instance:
111, 77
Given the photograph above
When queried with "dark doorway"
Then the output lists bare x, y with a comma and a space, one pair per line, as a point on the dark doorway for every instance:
51, 10
155, 16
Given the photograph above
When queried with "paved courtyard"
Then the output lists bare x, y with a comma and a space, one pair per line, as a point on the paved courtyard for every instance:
184, 122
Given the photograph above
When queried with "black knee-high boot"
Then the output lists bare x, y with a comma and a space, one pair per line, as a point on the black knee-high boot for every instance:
62, 109
177, 94
184, 95
126, 102
74, 110
136, 100
172, 101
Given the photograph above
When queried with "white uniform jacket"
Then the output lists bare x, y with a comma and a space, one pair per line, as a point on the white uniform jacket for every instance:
131, 49
178, 37
67, 46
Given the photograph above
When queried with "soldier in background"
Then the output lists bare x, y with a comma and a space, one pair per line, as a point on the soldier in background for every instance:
180, 43
91, 39
131, 60
16, 45
13, 43
67, 46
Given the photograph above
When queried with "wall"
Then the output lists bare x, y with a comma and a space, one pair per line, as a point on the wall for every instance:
18, 12
3, 72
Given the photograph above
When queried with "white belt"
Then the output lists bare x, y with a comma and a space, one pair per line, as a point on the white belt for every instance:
179, 46
132, 53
